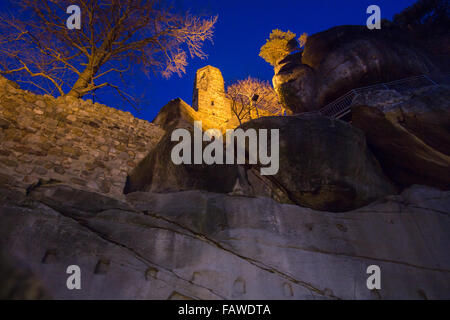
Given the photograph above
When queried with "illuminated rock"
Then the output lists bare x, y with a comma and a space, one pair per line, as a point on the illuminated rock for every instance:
408, 133
202, 245
343, 58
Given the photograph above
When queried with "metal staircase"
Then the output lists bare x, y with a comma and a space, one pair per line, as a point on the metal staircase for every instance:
341, 106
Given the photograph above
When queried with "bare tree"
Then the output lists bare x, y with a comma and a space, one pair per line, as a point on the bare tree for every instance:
252, 98
37, 48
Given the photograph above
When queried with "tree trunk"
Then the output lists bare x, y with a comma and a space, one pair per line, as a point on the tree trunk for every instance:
84, 81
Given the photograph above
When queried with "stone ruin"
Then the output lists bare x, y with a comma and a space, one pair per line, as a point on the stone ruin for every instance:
210, 100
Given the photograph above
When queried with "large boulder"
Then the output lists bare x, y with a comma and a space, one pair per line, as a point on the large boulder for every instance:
324, 164
202, 245
340, 59
408, 133
158, 173
175, 114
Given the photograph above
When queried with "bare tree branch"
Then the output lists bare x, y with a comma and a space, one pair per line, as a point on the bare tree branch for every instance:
149, 33
251, 96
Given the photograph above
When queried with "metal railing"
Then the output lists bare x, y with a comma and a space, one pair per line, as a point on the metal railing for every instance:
341, 106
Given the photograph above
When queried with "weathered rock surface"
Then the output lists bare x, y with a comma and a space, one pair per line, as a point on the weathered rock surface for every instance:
200, 245
340, 59
408, 133
324, 164
157, 172
18, 283
175, 114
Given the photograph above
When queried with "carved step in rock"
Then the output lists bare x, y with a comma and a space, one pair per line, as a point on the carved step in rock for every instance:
50, 256
287, 290
151, 272
178, 296
239, 286
102, 267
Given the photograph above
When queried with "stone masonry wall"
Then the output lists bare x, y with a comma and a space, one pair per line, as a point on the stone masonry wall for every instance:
69, 140
211, 103
209, 98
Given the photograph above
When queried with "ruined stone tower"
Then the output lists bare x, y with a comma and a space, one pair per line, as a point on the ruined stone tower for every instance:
209, 98
210, 102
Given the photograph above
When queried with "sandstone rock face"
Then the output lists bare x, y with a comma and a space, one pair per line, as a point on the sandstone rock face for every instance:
324, 164
200, 245
343, 175
18, 283
295, 84
409, 133
71, 140
176, 113
157, 172
343, 58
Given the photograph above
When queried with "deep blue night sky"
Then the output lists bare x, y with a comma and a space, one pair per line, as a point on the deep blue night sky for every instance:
242, 29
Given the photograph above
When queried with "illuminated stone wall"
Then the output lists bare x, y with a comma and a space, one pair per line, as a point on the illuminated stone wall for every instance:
209, 98
211, 103
69, 140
